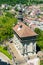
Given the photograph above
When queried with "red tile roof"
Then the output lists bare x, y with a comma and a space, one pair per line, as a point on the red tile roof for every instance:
23, 31
33, 26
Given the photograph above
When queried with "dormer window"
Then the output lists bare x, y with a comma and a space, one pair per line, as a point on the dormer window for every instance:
20, 26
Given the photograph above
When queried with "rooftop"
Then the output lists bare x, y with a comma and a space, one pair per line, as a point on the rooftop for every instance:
23, 31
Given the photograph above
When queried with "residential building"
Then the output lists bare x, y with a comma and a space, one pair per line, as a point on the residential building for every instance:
25, 38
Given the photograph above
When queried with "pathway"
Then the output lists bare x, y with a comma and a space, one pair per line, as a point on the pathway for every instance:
15, 53
4, 58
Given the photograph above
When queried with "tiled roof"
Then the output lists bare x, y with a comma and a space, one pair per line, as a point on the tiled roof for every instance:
33, 26
23, 31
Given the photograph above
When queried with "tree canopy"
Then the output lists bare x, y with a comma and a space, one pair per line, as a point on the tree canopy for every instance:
39, 38
6, 24
13, 2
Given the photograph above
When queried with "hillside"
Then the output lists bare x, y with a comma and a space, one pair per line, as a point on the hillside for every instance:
13, 1
21, 1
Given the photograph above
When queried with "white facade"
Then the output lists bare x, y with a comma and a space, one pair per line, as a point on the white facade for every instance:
24, 48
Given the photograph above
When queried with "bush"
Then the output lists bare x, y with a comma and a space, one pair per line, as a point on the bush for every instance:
5, 52
41, 62
39, 37
5, 48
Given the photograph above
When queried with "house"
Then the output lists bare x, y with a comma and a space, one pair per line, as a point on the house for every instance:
33, 26
20, 15
25, 38
35, 12
40, 55
5, 6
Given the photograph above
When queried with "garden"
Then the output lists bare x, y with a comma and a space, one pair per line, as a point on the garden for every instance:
5, 51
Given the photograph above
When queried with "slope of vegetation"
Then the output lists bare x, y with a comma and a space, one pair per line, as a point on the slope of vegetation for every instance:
6, 23
13, 2
39, 38
41, 62
5, 52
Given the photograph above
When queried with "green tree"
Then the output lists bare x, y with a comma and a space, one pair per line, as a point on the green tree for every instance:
13, 2
6, 24
39, 37
38, 31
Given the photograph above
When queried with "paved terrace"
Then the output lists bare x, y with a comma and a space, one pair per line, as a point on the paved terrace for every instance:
5, 58
16, 54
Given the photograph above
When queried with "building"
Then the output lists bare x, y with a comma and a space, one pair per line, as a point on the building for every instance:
20, 16
40, 55
25, 38
33, 26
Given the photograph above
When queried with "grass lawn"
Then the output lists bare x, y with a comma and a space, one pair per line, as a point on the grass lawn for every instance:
5, 52
41, 62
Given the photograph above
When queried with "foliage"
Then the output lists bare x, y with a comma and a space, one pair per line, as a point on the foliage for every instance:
39, 37
6, 24
5, 52
9, 15
13, 2
5, 48
41, 8
37, 31
41, 62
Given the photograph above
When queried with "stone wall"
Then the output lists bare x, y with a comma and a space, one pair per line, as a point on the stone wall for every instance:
25, 47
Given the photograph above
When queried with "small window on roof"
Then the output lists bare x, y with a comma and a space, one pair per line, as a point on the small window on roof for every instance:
20, 26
